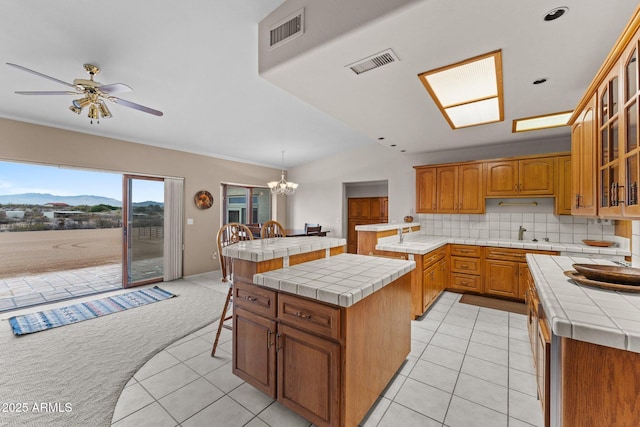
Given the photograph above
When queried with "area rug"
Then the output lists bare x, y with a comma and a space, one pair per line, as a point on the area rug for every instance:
49, 319
497, 304
78, 372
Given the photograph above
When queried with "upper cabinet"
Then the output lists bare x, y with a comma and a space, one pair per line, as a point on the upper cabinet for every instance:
461, 188
605, 126
454, 188
583, 162
564, 172
516, 178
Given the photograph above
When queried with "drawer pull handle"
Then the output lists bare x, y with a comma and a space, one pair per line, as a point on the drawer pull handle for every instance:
464, 282
465, 266
250, 298
303, 315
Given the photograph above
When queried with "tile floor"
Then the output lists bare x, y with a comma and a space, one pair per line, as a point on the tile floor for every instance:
28, 291
468, 366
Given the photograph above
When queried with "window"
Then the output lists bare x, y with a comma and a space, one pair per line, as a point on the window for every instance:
245, 204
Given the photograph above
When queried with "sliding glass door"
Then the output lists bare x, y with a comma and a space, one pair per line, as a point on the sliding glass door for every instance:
143, 252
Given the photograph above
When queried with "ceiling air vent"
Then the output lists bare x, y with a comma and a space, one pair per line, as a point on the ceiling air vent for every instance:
287, 29
374, 61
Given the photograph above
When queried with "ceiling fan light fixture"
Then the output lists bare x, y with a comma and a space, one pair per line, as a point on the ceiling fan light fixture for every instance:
75, 109
81, 103
104, 110
93, 113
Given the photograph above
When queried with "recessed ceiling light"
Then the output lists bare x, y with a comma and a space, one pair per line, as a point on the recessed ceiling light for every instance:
469, 92
539, 81
393, 145
403, 151
556, 13
541, 122
381, 138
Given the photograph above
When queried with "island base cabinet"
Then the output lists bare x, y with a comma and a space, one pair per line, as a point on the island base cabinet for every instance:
600, 385
309, 369
326, 363
254, 350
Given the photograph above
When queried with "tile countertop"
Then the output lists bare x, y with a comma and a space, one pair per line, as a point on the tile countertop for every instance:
386, 226
266, 249
342, 279
598, 316
418, 243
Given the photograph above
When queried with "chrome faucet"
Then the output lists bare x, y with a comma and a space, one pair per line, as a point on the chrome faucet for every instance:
521, 231
400, 235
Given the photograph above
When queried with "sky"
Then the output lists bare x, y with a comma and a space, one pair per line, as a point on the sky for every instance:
19, 178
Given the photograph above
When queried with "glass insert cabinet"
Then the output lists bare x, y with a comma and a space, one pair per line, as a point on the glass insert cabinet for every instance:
618, 148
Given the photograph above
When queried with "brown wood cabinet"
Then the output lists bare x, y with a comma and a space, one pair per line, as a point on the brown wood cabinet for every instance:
426, 190
364, 210
608, 116
506, 271
321, 361
540, 339
453, 188
583, 162
434, 277
564, 173
465, 268
517, 178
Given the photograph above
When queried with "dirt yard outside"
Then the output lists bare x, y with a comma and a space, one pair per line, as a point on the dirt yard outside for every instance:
35, 252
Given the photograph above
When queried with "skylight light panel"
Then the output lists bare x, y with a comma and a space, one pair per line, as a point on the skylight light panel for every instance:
468, 93
541, 122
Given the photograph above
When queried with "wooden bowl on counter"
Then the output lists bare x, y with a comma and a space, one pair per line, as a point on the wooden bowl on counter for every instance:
599, 243
610, 273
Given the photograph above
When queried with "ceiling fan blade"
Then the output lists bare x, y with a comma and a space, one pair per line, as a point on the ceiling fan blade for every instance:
115, 88
20, 67
51, 92
135, 106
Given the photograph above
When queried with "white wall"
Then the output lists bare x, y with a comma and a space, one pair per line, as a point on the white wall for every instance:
320, 197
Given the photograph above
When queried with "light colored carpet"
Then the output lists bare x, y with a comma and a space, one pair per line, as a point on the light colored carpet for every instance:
86, 365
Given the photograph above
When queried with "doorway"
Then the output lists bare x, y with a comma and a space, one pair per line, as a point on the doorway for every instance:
143, 246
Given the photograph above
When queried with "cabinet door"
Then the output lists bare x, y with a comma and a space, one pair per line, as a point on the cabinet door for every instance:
309, 375
447, 180
563, 192
543, 369
428, 283
470, 189
501, 278
583, 163
376, 208
502, 178
254, 357
523, 279
536, 176
630, 132
426, 191
610, 180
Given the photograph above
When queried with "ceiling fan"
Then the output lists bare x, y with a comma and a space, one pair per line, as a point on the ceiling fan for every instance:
93, 94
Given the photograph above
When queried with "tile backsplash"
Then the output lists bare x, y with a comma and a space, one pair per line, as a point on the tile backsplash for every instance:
503, 222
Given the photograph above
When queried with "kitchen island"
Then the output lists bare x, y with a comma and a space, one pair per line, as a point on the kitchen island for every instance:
586, 344
324, 337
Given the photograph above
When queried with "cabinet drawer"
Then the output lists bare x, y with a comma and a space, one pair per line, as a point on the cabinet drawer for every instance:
466, 251
509, 254
465, 265
255, 299
506, 254
309, 315
433, 256
466, 282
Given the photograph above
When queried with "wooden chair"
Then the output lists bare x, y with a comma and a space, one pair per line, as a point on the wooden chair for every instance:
309, 224
227, 235
315, 231
272, 229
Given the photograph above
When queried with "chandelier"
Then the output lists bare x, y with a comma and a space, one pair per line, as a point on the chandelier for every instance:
282, 186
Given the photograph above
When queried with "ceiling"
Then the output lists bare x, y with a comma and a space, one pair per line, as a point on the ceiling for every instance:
198, 63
